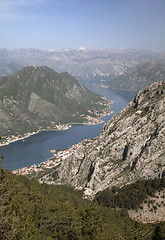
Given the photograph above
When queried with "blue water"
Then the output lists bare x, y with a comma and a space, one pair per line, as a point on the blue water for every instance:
36, 148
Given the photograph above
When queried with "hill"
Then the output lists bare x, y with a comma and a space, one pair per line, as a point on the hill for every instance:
130, 147
29, 210
139, 77
37, 98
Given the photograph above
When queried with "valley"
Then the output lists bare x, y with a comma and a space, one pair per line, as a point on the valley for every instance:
104, 180
36, 148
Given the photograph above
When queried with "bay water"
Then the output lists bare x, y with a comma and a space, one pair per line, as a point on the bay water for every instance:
36, 148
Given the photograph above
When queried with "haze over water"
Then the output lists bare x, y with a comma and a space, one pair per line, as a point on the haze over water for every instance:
36, 149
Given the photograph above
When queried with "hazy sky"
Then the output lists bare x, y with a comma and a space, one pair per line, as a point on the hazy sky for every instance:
57, 24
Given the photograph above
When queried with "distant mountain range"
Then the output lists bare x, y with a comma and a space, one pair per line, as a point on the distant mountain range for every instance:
38, 98
88, 66
138, 77
7, 69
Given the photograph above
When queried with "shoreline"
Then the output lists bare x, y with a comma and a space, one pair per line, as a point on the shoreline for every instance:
36, 170
88, 120
19, 137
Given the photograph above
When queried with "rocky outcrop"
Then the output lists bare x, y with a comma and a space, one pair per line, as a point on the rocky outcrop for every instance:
131, 146
151, 210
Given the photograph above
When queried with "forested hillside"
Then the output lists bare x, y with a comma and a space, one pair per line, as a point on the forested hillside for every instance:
29, 210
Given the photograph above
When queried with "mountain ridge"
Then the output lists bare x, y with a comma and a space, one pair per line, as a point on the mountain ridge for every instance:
138, 77
130, 147
89, 66
38, 98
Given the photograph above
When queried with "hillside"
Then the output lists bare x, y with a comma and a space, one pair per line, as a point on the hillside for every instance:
29, 210
139, 77
130, 147
38, 98
122, 170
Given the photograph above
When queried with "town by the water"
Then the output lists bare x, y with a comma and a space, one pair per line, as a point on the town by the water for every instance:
58, 157
89, 120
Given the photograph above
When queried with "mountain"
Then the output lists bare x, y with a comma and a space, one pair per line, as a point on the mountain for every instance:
122, 170
9, 68
139, 77
38, 98
88, 66
130, 147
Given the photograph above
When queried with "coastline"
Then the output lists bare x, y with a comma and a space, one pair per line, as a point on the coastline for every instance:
20, 137
61, 127
13, 138
36, 170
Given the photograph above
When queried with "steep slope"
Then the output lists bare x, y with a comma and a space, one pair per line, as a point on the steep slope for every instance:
139, 76
29, 210
39, 98
131, 146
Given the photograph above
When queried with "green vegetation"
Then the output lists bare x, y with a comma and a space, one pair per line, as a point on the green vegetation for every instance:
130, 196
160, 231
40, 98
29, 210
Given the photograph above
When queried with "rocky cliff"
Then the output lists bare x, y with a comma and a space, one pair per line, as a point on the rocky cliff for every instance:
131, 146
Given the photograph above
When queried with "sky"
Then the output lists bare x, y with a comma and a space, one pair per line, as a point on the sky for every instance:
94, 24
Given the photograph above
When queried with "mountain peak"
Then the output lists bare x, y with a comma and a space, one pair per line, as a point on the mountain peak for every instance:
40, 98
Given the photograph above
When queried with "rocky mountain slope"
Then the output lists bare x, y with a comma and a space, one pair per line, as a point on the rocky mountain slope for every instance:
38, 98
151, 210
89, 66
139, 77
131, 146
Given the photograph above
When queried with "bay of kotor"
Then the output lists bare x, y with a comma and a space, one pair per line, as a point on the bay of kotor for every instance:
36, 148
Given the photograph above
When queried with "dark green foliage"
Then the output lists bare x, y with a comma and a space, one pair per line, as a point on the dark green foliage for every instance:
29, 210
160, 231
130, 196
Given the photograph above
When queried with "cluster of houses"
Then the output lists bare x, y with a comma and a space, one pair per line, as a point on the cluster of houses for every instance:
12, 138
58, 156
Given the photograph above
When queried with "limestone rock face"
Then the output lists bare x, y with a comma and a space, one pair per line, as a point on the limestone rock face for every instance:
131, 146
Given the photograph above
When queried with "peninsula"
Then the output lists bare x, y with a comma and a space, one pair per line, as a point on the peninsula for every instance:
39, 99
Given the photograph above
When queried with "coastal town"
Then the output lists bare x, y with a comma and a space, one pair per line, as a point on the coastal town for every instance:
35, 170
91, 119
58, 156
